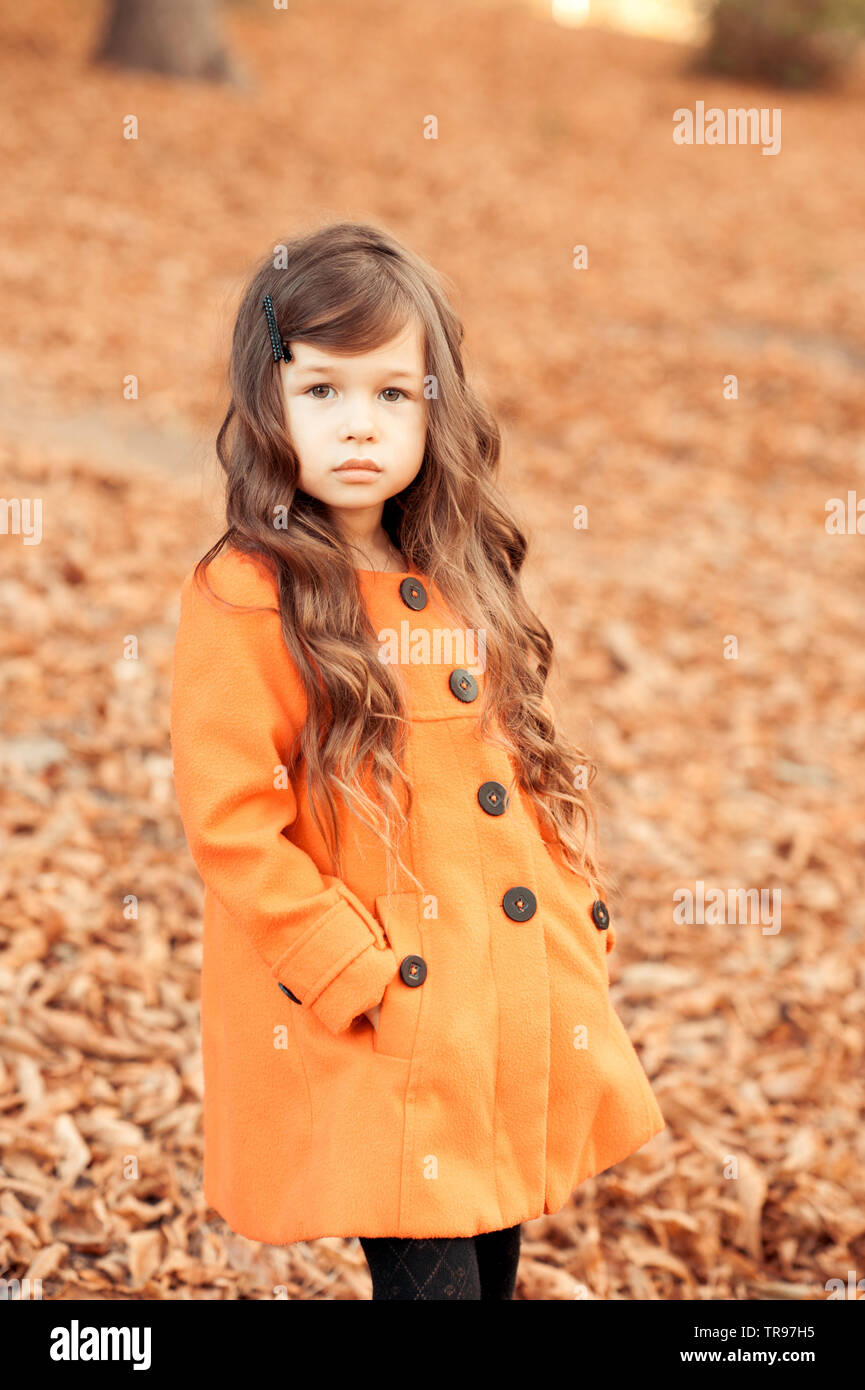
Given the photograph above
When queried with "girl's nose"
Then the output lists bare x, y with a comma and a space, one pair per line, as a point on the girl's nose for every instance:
358, 424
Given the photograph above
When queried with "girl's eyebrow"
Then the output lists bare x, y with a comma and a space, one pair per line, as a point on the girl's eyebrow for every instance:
332, 370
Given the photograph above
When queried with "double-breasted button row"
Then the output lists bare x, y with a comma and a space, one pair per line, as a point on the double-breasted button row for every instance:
518, 903
414, 595
412, 969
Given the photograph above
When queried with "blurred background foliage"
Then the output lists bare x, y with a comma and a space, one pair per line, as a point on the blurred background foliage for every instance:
791, 43
785, 43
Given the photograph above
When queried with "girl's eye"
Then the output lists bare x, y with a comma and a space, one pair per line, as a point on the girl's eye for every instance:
323, 386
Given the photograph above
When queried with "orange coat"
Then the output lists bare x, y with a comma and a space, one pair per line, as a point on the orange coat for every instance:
500, 1076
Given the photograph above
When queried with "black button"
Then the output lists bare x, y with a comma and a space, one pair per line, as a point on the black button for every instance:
413, 593
494, 798
520, 904
463, 685
289, 993
413, 970
600, 914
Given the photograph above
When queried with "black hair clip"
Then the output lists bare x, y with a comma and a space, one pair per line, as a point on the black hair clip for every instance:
277, 343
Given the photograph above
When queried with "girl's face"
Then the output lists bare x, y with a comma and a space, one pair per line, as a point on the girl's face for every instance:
368, 406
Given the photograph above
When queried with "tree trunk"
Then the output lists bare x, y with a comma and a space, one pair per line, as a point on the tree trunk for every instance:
179, 38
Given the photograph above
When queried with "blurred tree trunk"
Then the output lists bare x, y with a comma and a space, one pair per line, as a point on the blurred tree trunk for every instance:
180, 38
791, 43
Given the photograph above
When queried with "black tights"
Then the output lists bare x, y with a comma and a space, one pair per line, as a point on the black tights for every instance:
460, 1267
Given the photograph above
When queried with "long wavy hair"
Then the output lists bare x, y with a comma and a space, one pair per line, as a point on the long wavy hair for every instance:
352, 287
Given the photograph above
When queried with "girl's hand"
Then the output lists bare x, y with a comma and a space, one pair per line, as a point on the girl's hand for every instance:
372, 1015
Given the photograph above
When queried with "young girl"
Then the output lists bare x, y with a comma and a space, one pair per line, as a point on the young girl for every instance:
406, 1027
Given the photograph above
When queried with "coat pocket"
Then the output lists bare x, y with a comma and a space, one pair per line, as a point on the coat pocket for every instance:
400, 915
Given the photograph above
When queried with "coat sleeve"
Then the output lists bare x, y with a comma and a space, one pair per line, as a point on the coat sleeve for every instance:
236, 704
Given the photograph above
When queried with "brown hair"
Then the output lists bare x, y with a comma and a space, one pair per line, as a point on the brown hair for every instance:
352, 287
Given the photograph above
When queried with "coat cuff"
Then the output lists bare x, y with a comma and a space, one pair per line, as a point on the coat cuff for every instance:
338, 968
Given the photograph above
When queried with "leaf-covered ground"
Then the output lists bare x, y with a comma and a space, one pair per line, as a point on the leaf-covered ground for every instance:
707, 521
